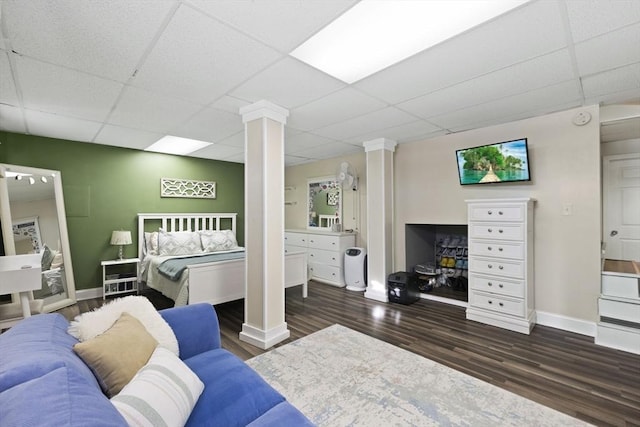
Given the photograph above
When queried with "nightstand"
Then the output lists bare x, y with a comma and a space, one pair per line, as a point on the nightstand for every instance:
120, 276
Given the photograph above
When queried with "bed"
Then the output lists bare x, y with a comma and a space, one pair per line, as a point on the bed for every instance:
209, 280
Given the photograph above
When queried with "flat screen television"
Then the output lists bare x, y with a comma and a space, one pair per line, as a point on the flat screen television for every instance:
494, 163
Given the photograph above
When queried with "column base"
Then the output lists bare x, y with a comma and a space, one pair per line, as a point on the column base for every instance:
376, 294
264, 339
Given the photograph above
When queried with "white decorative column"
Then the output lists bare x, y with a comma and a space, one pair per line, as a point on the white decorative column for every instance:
379, 216
264, 324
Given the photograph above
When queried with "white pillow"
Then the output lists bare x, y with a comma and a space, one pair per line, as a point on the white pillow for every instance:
221, 240
93, 323
163, 392
179, 243
151, 243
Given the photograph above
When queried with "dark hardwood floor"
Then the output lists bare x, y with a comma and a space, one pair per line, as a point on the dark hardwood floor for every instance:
559, 369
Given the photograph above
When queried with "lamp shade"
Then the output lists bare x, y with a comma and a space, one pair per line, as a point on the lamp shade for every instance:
121, 237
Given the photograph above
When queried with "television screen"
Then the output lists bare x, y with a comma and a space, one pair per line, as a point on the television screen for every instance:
494, 163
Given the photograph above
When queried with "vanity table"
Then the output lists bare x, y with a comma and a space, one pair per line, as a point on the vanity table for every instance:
19, 274
325, 252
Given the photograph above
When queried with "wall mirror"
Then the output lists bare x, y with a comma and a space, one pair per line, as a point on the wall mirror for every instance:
324, 203
33, 220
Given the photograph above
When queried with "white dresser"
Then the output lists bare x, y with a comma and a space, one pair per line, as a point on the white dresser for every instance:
619, 309
325, 252
501, 289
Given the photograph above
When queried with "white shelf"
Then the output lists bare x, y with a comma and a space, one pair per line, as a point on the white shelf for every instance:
115, 283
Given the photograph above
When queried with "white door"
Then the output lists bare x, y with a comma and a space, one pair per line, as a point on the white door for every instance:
621, 196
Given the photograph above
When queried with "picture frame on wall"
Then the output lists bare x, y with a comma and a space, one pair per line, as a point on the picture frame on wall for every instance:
332, 199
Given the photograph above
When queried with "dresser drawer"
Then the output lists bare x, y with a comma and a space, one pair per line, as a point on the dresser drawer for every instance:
496, 212
498, 267
330, 243
325, 257
512, 306
621, 286
513, 288
295, 239
326, 272
619, 310
497, 249
496, 231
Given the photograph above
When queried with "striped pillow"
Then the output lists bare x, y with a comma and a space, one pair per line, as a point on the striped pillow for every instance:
163, 392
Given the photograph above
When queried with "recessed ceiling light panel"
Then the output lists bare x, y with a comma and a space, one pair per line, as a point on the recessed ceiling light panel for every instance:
375, 34
176, 145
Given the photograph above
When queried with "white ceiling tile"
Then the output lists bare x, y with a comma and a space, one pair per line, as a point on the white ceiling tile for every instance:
58, 90
295, 160
103, 38
406, 132
495, 111
217, 151
229, 104
283, 24
57, 126
365, 124
338, 106
596, 54
303, 141
288, 83
329, 150
536, 73
141, 109
199, 59
11, 119
210, 125
126, 137
236, 140
620, 97
590, 18
618, 80
8, 93
238, 158
512, 38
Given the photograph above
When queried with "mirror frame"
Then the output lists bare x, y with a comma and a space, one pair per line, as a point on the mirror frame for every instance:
7, 227
331, 181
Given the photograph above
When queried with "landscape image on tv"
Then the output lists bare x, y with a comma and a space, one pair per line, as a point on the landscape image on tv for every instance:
494, 163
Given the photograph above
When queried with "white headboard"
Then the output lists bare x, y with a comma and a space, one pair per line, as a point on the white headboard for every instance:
183, 222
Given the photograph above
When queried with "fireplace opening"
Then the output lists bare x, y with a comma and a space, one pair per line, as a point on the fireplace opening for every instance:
438, 254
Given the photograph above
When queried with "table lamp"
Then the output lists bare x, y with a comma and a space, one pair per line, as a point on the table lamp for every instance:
120, 238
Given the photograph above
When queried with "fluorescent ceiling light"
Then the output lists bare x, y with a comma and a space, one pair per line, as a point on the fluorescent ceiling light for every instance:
375, 34
176, 145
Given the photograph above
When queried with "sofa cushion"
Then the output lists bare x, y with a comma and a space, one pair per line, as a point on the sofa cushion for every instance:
234, 394
118, 354
163, 392
58, 398
38, 345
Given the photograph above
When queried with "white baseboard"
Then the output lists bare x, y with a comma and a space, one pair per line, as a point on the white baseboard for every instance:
450, 301
571, 324
84, 294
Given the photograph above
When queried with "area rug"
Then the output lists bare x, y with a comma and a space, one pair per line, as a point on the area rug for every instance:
340, 377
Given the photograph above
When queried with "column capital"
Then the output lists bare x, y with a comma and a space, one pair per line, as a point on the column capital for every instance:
262, 109
380, 144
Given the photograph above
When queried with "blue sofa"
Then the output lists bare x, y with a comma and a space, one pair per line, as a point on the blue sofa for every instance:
43, 382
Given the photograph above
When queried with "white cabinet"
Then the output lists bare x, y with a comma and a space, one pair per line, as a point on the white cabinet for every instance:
501, 263
120, 276
325, 253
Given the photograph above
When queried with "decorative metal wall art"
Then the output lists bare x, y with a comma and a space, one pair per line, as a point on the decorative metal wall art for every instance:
189, 188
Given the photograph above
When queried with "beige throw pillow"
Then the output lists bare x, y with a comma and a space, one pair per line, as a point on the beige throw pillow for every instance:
118, 354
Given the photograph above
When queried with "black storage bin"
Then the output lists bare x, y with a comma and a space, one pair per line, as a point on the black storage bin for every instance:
402, 287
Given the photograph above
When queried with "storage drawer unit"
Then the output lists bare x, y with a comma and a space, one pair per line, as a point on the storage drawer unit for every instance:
501, 263
325, 253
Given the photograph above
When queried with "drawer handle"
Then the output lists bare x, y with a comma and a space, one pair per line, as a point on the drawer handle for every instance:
311, 241
501, 267
489, 265
500, 285
489, 230
333, 243
310, 255
489, 283
499, 249
488, 248
489, 212
490, 302
501, 304
499, 212
333, 258
500, 230
333, 274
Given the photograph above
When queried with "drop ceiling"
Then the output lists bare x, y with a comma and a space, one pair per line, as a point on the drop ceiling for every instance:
125, 73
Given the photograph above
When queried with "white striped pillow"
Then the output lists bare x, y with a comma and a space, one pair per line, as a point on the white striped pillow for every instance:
163, 392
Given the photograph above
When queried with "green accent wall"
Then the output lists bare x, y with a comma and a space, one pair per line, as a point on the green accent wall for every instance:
105, 187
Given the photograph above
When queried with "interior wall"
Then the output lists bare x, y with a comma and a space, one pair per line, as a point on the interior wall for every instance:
565, 171
353, 202
105, 188
628, 146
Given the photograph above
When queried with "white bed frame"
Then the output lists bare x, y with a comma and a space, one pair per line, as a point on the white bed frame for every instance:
221, 281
